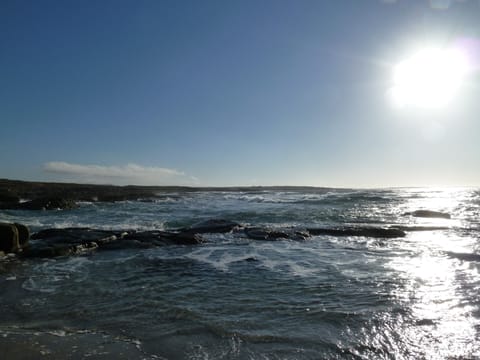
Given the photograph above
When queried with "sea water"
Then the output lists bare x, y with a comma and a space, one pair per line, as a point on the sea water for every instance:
235, 298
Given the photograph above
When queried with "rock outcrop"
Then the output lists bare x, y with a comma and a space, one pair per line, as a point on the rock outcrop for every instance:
13, 237
71, 241
374, 232
268, 234
23, 234
68, 241
9, 238
464, 256
213, 226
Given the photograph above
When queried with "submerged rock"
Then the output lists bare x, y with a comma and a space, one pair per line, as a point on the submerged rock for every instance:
212, 226
428, 214
359, 231
257, 233
420, 228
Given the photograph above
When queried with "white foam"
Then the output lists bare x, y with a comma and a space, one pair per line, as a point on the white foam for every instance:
221, 257
53, 274
59, 333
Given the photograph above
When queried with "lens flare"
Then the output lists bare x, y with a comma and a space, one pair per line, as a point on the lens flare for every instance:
429, 78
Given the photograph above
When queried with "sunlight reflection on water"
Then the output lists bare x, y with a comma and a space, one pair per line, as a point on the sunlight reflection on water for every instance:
434, 290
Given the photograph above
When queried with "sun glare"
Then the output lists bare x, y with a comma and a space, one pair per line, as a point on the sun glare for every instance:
429, 78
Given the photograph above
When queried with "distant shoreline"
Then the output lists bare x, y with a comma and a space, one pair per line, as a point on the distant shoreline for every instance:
97, 192
74, 191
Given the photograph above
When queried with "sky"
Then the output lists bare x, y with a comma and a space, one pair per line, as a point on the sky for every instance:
225, 93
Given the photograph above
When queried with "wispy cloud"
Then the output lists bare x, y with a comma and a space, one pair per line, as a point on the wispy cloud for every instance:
133, 174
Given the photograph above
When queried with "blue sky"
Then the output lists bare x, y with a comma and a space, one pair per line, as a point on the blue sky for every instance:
261, 92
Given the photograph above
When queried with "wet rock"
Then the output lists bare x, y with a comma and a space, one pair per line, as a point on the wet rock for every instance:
158, 238
23, 234
257, 233
61, 249
8, 197
425, 322
359, 231
112, 197
50, 203
9, 238
8, 200
212, 226
420, 228
428, 214
464, 256
72, 241
68, 241
73, 235
187, 238
41, 252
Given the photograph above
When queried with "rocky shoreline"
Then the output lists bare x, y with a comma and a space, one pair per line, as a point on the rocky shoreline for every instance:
14, 238
47, 243
20, 195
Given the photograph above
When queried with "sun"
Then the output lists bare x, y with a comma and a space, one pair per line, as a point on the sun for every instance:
429, 79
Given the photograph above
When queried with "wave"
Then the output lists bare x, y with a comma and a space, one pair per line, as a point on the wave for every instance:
50, 276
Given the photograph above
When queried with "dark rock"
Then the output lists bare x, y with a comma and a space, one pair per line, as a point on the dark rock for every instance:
51, 203
268, 234
60, 249
425, 322
8, 197
188, 238
8, 206
420, 228
9, 238
69, 241
121, 244
212, 226
464, 256
23, 234
74, 235
359, 231
428, 214
158, 238
40, 251
112, 197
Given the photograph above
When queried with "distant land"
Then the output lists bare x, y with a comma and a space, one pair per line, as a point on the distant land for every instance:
16, 189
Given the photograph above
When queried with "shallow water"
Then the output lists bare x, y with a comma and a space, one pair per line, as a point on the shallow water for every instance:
235, 298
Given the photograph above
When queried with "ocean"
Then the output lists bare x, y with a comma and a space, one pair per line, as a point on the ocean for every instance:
232, 297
